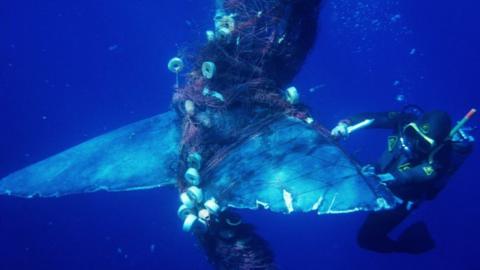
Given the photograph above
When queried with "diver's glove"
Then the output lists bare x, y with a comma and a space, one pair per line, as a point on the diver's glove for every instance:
368, 171
340, 131
386, 177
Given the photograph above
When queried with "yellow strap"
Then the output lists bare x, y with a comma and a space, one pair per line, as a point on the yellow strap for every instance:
392, 141
425, 137
429, 170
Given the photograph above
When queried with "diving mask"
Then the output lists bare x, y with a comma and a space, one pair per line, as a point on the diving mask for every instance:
417, 138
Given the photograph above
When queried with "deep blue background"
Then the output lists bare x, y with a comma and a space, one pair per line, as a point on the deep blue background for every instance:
72, 70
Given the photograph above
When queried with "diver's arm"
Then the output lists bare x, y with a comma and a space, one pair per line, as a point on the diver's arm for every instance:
424, 172
386, 120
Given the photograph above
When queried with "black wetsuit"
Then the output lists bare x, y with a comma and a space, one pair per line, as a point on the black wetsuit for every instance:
418, 177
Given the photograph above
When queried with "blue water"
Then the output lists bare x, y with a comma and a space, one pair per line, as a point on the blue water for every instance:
72, 70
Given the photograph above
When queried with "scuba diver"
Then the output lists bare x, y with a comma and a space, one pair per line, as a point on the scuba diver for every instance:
421, 154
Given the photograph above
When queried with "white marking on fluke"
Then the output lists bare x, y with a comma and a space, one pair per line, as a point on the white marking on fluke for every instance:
317, 204
331, 204
262, 204
288, 199
382, 204
356, 209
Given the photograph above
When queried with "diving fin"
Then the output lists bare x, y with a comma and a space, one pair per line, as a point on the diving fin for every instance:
415, 239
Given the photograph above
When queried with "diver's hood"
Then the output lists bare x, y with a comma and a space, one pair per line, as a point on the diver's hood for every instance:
433, 126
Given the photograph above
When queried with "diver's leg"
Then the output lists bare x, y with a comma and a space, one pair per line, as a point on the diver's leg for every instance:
373, 235
415, 239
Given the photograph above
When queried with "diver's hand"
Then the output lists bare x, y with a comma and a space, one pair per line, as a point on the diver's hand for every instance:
386, 177
368, 170
340, 131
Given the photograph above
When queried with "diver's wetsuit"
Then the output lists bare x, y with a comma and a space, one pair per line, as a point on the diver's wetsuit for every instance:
418, 177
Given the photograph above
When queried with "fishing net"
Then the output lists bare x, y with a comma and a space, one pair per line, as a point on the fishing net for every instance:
257, 48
